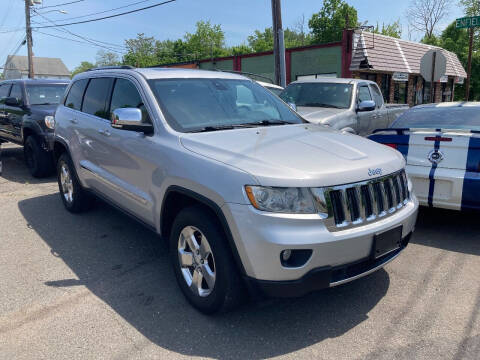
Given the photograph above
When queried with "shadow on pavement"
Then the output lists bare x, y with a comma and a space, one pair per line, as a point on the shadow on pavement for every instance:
449, 230
15, 169
127, 267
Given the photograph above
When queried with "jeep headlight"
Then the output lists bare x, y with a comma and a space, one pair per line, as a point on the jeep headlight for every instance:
50, 122
281, 200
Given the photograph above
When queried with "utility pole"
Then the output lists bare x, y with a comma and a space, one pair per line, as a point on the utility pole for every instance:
31, 73
469, 65
278, 44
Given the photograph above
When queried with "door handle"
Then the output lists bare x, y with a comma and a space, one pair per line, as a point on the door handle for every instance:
74, 121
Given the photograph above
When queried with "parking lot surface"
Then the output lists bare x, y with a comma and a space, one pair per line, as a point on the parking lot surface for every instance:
100, 286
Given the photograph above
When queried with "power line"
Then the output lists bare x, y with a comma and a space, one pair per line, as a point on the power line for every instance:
73, 40
105, 11
68, 3
106, 17
93, 42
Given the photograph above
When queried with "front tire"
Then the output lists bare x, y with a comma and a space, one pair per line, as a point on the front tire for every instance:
74, 197
202, 261
39, 162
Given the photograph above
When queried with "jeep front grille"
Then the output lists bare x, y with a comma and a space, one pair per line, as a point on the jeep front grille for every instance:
356, 204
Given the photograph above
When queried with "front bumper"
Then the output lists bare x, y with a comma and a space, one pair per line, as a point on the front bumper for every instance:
260, 237
324, 277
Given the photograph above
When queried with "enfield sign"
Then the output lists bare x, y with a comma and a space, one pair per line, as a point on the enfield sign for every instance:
468, 22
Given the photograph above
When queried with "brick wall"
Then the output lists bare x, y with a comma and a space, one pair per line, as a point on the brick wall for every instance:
392, 91
438, 92
410, 90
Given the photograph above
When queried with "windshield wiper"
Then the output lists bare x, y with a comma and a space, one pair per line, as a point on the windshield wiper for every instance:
322, 105
268, 122
240, 126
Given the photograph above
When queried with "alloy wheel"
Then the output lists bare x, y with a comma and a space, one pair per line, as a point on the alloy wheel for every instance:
66, 182
196, 260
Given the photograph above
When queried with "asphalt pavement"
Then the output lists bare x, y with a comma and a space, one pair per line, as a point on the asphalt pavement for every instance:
100, 286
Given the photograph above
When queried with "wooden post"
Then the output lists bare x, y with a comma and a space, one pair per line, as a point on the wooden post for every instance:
31, 73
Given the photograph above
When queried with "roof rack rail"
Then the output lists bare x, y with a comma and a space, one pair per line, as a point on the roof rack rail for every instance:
111, 67
248, 74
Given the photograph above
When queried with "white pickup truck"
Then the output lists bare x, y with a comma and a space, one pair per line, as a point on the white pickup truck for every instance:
351, 105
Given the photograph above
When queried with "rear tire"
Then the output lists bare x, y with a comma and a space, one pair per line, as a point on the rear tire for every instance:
217, 267
39, 161
74, 197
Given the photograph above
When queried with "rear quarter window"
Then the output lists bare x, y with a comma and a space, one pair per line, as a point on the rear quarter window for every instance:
75, 95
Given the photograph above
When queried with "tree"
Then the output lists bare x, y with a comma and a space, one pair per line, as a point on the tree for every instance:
425, 15
472, 7
393, 30
263, 41
207, 41
107, 58
328, 24
140, 51
84, 66
240, 49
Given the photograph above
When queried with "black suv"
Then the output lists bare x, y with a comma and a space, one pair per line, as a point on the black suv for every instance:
26, 118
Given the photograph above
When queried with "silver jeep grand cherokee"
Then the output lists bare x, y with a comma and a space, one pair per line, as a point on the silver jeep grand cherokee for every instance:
248, 194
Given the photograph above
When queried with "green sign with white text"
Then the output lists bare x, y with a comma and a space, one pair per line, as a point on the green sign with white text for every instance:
468, 22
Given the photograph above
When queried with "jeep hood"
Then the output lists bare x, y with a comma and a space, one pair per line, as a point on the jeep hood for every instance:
296, 155
318, 115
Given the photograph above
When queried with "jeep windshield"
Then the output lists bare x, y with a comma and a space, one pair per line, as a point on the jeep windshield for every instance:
318, 94
45, 94
193, 105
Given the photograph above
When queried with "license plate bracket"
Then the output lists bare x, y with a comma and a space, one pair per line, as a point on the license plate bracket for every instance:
387, 241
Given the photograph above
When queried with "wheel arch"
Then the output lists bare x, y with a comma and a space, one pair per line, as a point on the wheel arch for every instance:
177, 198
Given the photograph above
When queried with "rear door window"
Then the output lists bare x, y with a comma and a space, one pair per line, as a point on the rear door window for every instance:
96, 97
75, 95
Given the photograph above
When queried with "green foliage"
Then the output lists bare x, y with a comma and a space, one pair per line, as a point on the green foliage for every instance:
263, 41
327, 25
472, 7
394, 29
84, 66
431, 40
207, 41
140, 51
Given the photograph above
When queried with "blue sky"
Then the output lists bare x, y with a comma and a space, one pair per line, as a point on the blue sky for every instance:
239, 18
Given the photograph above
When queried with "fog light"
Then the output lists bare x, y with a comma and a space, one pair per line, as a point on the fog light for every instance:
286, 254
295, 257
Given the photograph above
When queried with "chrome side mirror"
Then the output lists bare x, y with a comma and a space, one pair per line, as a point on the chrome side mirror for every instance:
130, 119
366, 105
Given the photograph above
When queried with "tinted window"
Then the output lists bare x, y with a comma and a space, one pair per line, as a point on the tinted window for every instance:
197, 104
318, 94
44, 94
363, 94
4, 91
125, 95
377, 95
16, 92
74, 98
96, 96
464, 117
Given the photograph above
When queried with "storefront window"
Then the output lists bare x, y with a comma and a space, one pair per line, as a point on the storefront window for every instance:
400, 92
426, 92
